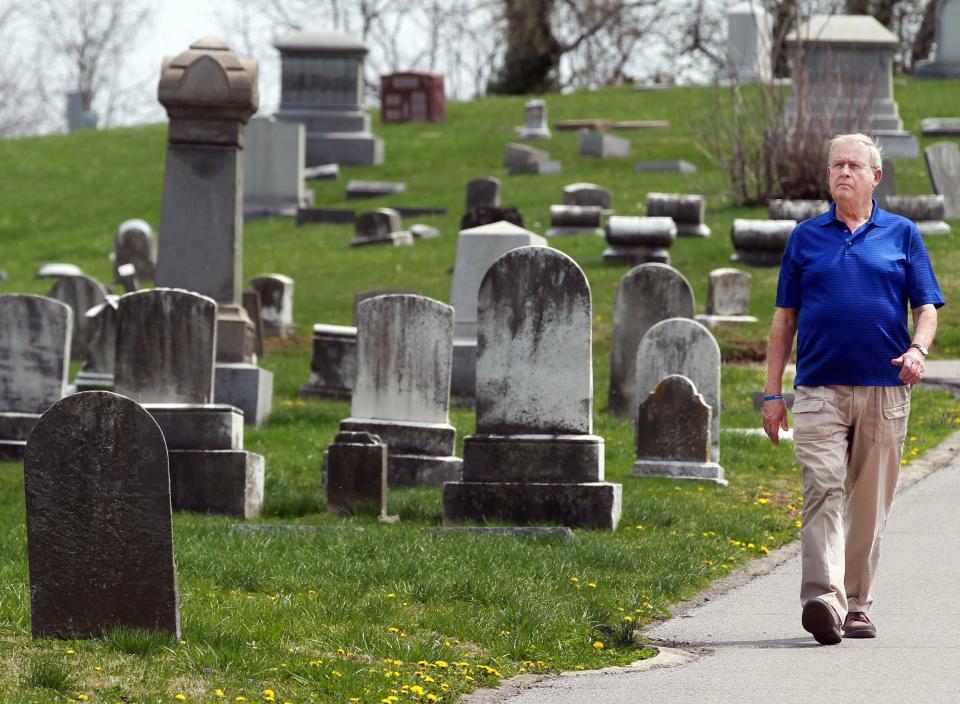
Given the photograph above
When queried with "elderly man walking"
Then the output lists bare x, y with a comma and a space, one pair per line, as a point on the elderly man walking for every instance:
846, 279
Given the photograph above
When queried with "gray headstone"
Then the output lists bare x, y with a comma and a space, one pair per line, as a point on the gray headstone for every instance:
749, 43
673, 433
888, 184
404, 357
356, 473
519, 155
535, 121
377, 223
483, 192
678, 165
135, 244
918, 207
635, 240
760, 242
646, 295
273, 166
946, 62
373, 189
943, 162
587, 194
682, 346
81, 293
34, 352
165, 346
686, 210
102, 347
602, 145
940, 126
99, 523
79, 114
728, 292
575, 219
333, 364
799, 210
276, 302
534, 372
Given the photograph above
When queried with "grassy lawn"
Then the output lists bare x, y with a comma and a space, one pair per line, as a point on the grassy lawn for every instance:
356, 610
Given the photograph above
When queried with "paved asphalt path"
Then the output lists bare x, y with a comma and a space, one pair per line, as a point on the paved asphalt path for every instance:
747, 645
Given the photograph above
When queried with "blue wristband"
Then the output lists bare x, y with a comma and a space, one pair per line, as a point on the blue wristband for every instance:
772, 397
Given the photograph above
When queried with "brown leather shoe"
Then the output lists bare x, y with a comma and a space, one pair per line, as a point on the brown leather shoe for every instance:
822, 621
857, 625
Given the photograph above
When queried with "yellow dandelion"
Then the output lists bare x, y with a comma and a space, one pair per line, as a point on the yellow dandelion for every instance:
764, 549
71, 651
442, 664
391, 595
592, 585
418, 690
220, 693
181, 697
82, 697
432, 698
598, 645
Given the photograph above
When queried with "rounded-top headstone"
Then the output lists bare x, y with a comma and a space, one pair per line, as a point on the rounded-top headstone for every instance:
534, 371
81, 293
166, 345
682, 346
135, 244
586, 194
646, 295
99, 524
34, 351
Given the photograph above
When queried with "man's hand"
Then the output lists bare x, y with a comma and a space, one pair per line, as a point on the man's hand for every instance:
911, 365
774, 418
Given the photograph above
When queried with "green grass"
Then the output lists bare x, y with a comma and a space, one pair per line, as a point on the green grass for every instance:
359, 609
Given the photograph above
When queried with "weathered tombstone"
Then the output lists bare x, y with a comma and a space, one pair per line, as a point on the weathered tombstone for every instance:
402, 391
682, 346
97, 371
926, 211
749, 43
946, 61
380, 226
322, 86
635, 240
796, 209
251, 304
760, 242
521, 159
165, 360
477, 249
673, 433
845, 79
209, 94
54, 270
483, 192
728, 298
356, 473
681, 166
333, 364
81, 293
35, 334
273, 168
575, 220
412, 96
602, 146
888, 184
276, 303
99, 524
486, 215
135, 244
79, 114
534, 457
940, 126
534, 121
943, 163
373, 189
646, 295
687, 212
587, 194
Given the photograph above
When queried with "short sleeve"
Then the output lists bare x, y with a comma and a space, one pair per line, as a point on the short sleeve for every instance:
789, 285
922, 286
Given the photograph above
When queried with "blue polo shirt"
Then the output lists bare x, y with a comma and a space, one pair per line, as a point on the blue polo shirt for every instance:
852, 294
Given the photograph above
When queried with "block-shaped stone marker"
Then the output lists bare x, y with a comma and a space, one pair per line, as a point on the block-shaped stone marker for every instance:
603, 146
373, 189
273, 167
81, 293
796, 209
402, 392
635, 240
99, 524
943, 163
728, 297
534, 457
356, 473
276, 303
135, 244
587, 194
97, 371
927, 212
677, 165
483, 192
646, 295
673, 433
760, 242
333, 364
534, 121
380, 226
165, 346
686, 210
940, 126
35, 334
477, 249
575, 220
520, 155
682, 346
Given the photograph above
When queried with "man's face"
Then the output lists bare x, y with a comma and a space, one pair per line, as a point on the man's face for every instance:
851, 177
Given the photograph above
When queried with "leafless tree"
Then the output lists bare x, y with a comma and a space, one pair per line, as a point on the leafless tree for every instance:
92, 37
21, 108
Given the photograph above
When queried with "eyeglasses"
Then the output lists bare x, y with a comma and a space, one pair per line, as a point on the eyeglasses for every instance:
854, 166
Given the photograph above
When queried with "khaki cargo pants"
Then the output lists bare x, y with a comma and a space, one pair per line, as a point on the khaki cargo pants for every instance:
849, 441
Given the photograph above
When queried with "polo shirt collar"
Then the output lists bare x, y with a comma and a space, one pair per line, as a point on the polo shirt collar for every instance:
878, 217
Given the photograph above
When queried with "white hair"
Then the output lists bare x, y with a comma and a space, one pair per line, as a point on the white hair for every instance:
876, 160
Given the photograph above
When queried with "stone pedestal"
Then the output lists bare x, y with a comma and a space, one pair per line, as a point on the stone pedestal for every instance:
635, 240
687, 212
760, 242
728, 298
273, 174
602, 146
322, 88
356, 473
946, 61
246, 386
926, 211
534, 121
333, 364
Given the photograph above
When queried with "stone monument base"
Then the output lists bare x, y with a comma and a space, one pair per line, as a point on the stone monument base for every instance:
246, 386
578, 505
228, 482
692, 229
709, 471
344, 148
897, 143
209, 426
14, 430
757, 257
639, 254
937, 69
712, 321
564, 231
533, 458
93, 381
